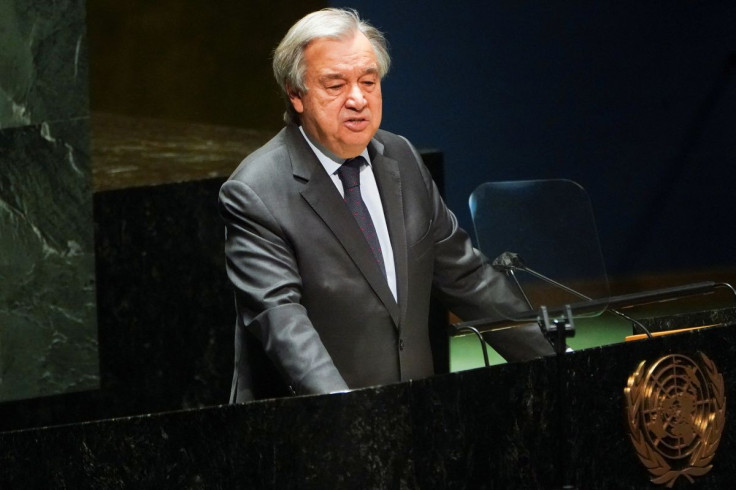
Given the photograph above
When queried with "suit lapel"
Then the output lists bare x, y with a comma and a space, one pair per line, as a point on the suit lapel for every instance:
320, 193
388, 179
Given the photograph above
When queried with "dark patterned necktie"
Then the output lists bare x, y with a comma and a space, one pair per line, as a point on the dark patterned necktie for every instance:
349, 173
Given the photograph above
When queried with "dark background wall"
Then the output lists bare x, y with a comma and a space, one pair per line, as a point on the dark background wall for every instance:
634, 101
192, 60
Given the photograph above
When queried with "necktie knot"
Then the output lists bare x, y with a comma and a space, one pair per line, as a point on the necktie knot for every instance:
349, 172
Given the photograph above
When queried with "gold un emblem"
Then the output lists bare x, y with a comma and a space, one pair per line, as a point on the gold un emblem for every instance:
676, 409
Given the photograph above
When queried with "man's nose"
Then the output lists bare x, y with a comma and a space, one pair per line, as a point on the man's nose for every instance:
356, 98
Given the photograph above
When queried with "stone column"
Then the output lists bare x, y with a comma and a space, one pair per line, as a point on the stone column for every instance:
48, 328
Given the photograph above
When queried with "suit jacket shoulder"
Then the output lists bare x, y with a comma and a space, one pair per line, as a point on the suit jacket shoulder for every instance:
279, 155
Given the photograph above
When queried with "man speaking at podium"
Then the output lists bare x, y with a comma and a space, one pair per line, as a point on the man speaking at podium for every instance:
336, 234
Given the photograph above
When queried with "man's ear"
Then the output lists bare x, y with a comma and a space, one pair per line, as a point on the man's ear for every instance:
296, 100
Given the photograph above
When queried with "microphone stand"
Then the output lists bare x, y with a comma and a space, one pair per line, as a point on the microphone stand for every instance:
509, 262
562, 328
559, 329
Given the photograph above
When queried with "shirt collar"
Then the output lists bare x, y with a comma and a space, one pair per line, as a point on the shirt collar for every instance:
329, 161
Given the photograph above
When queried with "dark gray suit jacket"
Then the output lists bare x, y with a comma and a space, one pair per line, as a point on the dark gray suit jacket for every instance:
313, 308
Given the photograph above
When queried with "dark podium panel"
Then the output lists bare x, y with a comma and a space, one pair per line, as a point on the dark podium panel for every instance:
497, 427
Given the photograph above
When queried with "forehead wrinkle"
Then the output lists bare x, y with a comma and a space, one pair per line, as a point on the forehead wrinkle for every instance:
371, 70
332, 76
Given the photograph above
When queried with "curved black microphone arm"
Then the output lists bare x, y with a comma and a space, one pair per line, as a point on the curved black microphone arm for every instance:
575, 293
508, 262
480, 339
727, 286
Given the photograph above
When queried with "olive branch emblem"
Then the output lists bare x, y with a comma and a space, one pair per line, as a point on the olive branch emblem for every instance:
676, 412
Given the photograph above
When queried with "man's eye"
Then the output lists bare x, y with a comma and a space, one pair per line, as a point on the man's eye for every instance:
335, 87
369, 84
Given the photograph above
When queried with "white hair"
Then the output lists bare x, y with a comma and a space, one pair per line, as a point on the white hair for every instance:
332, 23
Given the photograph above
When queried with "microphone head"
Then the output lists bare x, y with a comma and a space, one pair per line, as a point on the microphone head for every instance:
508, 261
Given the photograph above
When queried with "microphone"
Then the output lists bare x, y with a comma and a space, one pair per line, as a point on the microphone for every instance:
509, 262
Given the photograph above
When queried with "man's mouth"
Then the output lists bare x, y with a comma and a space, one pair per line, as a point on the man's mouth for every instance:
356, 123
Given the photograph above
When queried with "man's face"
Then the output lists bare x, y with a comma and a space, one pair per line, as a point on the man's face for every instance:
342, 106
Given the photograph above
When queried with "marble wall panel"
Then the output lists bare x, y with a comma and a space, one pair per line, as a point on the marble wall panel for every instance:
48, 329
48, 333
43, 61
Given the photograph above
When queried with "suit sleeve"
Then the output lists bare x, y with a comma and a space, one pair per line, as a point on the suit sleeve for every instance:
263, 270
472, 289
